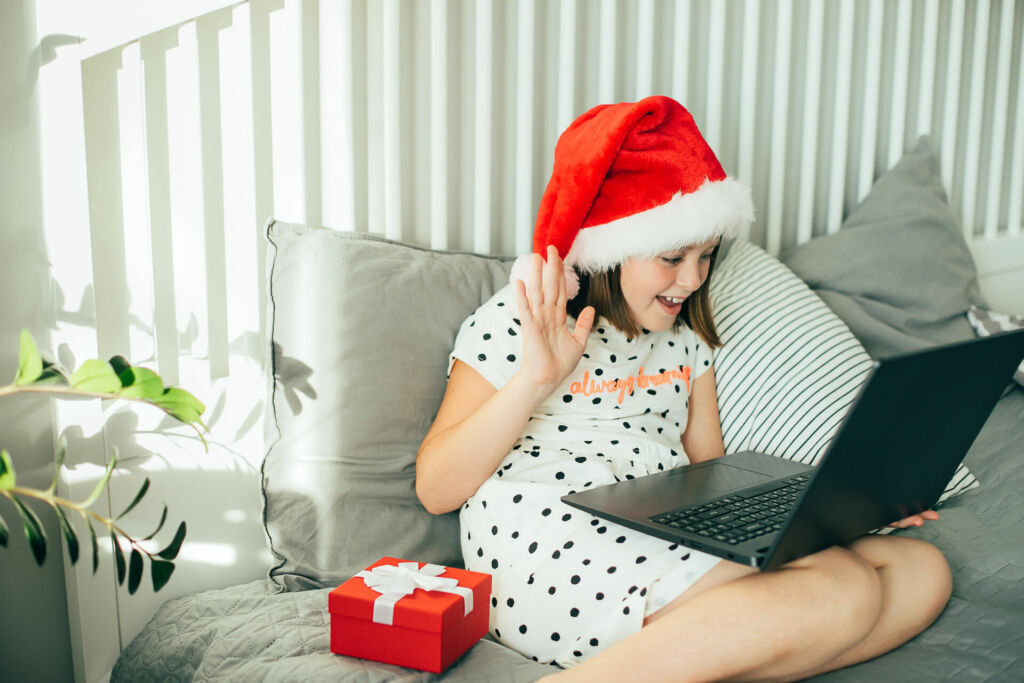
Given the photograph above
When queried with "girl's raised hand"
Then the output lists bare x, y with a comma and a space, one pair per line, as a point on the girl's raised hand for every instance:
550, 350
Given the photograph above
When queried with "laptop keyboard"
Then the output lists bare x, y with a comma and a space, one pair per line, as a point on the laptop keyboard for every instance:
735, 519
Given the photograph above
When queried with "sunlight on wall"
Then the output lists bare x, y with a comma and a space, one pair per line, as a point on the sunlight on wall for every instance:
286, 113
234, 516
243, 279
220, 554
138, 256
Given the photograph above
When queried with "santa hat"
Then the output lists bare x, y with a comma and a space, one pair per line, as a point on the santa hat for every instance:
634, 179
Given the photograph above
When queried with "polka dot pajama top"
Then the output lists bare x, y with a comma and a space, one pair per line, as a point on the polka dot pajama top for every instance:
567, 584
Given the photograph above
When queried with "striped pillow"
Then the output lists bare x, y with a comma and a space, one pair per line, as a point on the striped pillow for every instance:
789, 367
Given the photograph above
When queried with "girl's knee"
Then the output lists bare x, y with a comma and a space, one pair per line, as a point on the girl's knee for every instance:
845, 567
858, 576
929, 571
851, 586
911, 567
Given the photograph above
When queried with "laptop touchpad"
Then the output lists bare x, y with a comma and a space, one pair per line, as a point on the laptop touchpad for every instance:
717, 477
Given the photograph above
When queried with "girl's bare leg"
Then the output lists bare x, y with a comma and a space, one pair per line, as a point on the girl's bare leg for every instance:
821, 612
916, 585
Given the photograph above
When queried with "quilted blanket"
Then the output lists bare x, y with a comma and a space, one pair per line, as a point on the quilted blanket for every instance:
246, 633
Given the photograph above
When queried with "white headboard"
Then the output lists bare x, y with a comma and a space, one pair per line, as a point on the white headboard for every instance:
434, 122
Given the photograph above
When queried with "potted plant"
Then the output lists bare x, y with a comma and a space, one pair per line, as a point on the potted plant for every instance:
115, 379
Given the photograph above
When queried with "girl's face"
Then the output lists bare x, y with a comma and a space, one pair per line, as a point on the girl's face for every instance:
655, 288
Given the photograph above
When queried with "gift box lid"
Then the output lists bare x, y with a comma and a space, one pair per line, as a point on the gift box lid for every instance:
422, 610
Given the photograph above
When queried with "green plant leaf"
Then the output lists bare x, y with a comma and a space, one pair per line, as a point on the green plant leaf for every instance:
30, 363
145, 384
163, 518
33, 531
118, 558
123, 370
51, 374
104, 480
95, 545
161, 571
180, 404
138, 497
134, 571
96, 376
7, 478
4, 533
171, 551
69, 534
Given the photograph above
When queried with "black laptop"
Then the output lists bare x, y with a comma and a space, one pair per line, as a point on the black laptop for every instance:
906, 432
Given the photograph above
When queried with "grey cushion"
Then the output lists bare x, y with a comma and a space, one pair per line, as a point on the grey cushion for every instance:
899, 272
360, 329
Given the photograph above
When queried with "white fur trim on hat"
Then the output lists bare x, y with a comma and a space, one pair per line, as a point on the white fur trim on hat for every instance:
721, 208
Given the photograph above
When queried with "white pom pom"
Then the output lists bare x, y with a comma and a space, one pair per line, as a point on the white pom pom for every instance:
521, 270
572, 282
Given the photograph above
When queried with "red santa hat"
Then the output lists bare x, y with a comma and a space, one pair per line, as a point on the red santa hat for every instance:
634, 179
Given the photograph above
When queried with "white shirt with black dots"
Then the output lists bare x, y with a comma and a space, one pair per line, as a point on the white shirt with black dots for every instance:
568, 584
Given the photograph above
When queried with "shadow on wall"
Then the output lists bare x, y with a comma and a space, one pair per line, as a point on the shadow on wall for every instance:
216, 494
35, 642
34, 633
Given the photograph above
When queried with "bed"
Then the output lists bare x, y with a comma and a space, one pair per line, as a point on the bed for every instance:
344, 420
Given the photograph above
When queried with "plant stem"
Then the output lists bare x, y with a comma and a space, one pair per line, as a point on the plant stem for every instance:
55, 389
83, 511
61, 389
67, 390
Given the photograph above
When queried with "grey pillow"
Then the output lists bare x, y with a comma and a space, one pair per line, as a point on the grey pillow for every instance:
898, 272
360, 328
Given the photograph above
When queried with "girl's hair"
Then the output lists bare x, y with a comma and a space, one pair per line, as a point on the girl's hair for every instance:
603, 291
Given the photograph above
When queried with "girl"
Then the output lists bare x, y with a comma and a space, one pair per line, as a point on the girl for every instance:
599, 368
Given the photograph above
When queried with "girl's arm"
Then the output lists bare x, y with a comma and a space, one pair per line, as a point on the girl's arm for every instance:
475, 428
702, 439
477, 425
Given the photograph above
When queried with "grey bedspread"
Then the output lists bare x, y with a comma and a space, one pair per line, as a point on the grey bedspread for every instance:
244, 633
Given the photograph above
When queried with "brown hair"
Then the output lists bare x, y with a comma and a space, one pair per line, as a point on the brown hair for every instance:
603, 291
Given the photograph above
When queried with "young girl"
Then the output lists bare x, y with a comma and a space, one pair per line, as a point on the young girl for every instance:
599, 368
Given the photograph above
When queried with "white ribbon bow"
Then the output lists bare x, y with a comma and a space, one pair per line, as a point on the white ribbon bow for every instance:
396, 582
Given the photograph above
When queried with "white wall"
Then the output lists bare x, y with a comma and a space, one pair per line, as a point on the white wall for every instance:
34, 636
109, 275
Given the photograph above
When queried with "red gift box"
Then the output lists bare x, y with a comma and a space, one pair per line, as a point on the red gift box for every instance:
429, 629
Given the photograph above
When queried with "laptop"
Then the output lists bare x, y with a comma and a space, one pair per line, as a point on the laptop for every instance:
907, 430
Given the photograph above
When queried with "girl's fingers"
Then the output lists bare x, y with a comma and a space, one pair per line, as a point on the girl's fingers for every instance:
562, 294
916, 520
522, 302
552, 274
533, 286
584, 323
